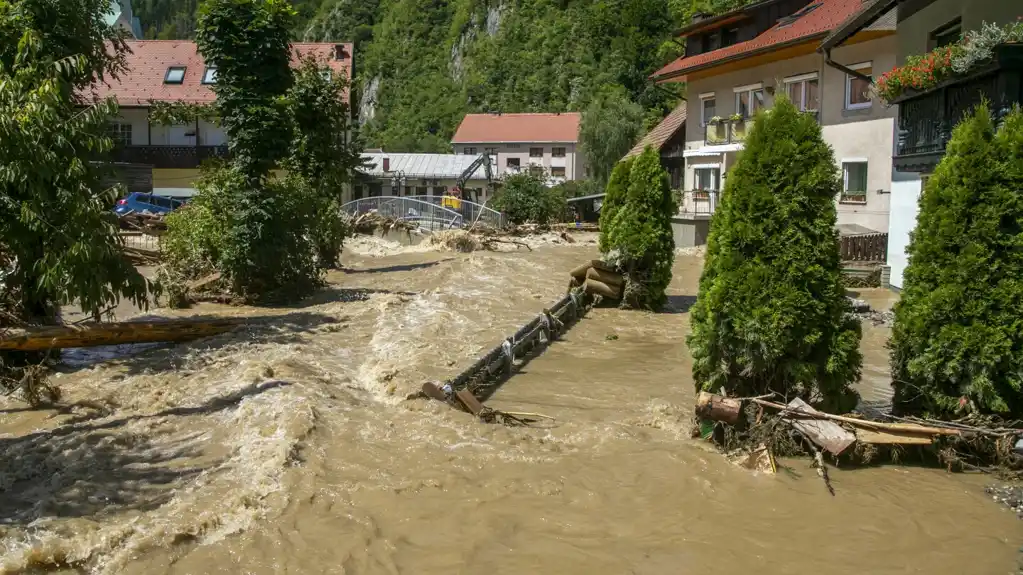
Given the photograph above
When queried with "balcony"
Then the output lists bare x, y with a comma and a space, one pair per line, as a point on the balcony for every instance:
926, 118
175, 157
697, 203
731, 131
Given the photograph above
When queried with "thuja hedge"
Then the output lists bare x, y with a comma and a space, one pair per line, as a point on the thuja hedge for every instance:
957, 343
771, 314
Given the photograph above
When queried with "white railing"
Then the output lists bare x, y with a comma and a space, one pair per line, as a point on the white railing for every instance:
698, 202
430, 212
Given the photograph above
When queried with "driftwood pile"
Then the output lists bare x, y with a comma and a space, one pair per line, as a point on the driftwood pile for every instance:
957, 445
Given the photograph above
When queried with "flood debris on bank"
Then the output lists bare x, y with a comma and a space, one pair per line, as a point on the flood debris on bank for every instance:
744, 427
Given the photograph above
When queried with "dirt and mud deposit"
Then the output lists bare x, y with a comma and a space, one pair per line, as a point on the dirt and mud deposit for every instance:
289, 447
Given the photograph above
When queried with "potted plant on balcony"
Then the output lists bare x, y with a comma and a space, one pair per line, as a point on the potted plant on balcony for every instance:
717, 131
739, 126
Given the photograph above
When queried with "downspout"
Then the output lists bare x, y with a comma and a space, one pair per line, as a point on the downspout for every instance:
846, 69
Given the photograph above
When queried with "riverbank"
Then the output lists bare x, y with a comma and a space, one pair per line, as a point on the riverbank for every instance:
289, 448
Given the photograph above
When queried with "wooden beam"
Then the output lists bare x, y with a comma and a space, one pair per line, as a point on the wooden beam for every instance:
114, 333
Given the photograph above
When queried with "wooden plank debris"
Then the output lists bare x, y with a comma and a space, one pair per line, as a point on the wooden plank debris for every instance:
892, 437
827, 434
114, 333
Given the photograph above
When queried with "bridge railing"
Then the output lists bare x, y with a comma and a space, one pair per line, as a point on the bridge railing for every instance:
443, 211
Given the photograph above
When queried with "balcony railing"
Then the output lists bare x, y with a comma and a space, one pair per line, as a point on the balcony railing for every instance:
182, 157
727, 132
926, 119
698, 202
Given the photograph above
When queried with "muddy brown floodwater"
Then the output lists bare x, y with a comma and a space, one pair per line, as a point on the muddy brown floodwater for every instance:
288, 448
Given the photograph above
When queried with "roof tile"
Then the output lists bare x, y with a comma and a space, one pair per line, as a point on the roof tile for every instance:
662, 132
149, 60
827, 15
524, 128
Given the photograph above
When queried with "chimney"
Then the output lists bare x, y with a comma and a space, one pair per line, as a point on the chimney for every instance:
339, 52
387, 164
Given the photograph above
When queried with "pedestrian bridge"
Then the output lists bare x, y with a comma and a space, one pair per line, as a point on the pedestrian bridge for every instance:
432, 213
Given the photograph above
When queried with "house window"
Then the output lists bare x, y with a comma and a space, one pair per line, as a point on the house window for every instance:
749, 99
326, 74
469, 151
712, 41
210, 75
707, 179
854, 176
557, 152
804, 91
730, 36
513, 163
857, 90
175, 75
708, 108
558, 171
536, 152
421, 190
490, 151
120, 133
946, 35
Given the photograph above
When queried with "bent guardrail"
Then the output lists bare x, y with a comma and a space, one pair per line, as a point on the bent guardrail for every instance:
430, 212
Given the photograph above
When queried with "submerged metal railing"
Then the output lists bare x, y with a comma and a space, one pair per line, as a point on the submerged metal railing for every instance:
430, 212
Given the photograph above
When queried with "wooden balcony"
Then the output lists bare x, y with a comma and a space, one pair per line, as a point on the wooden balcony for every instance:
926, 119
180, 157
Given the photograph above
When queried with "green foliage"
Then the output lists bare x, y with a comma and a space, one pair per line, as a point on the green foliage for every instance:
324, 151
772, 314
958, 332
164, 113
58, 238
526, 198
247, 40
639, 240
611, 124
614, 196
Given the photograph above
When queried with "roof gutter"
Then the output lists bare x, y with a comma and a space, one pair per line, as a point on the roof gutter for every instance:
736, 58
858, 22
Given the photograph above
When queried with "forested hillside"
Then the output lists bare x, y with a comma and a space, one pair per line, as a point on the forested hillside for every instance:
422, 64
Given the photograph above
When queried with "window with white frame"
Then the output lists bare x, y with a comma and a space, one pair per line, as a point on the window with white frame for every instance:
707, 178
804, 91
558, 171
749, 99
120, 133
857, 90
854, 181
708, 107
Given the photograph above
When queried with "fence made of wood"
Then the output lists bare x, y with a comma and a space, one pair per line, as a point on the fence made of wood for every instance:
864, 248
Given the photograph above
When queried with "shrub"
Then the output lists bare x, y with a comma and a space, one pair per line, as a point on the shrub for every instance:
639, 241
957, 343
614, 197
526, 198
771, 314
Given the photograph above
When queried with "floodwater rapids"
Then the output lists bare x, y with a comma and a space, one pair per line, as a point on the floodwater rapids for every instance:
288, 447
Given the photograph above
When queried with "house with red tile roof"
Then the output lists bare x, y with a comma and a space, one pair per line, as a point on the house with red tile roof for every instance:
738, 62
174, 71
549, 142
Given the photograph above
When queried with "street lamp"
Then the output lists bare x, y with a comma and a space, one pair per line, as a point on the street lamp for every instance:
398, 181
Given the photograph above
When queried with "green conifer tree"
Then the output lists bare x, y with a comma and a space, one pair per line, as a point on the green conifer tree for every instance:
639, 241
772, 314
957, 343
614, 197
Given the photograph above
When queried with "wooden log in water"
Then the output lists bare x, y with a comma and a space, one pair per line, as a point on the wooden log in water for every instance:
114, 333
612, 279
579, 272
595, 287
718, 408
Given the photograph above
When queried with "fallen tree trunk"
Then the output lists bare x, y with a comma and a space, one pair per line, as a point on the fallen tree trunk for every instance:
594, 287
718, 408
612, 279
114, 333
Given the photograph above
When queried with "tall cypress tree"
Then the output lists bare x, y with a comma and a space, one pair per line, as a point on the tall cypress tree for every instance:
614, 197
957, 343
639, 241
771, 314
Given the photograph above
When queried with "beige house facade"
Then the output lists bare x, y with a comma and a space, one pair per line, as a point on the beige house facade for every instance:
518, 142
728, 85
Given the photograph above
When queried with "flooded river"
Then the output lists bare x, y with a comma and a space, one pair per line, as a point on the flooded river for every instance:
288, 448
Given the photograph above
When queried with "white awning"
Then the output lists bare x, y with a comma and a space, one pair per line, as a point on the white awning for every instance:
711, 150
